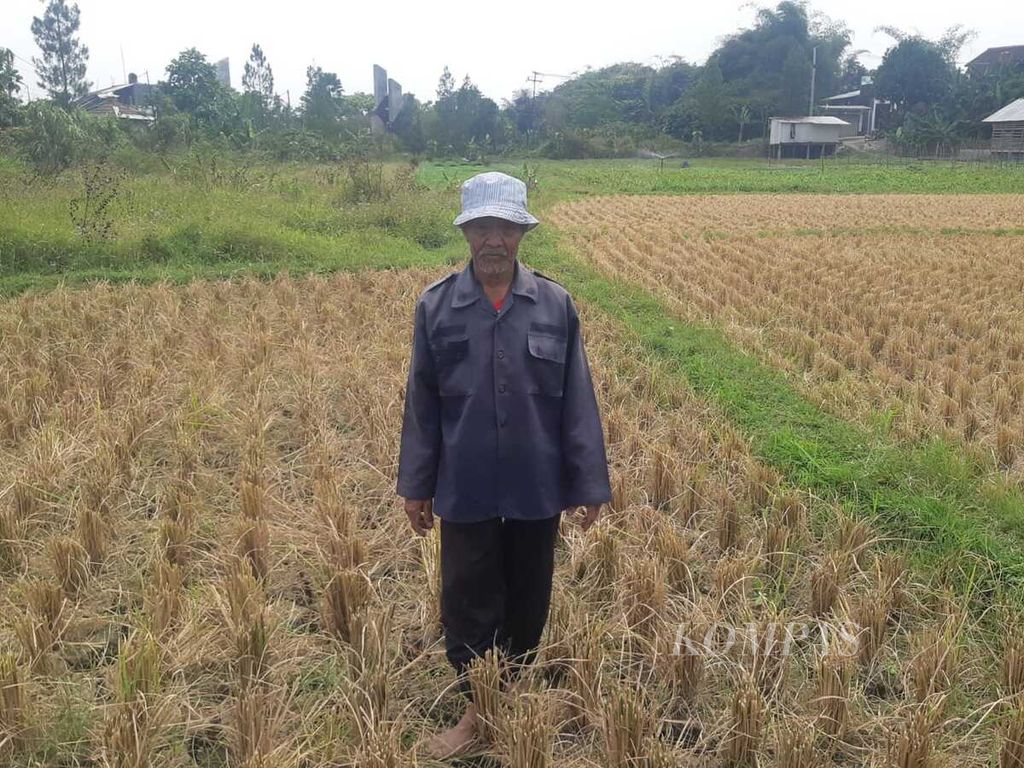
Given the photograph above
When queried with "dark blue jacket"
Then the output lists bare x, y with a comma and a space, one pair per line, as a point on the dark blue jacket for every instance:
500, 414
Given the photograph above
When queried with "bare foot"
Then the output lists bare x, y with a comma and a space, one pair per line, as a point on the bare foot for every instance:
454, 741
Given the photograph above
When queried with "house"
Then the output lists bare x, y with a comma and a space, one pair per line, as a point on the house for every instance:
131, 101
805, 136
995, 59
1008, 131
865, 113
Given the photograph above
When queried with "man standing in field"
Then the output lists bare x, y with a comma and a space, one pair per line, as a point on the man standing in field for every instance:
501, 433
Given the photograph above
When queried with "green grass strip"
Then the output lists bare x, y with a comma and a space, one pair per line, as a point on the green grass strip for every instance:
929, 499
350, 253
575, 179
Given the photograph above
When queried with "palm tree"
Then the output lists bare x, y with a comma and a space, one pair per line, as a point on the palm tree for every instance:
742, 114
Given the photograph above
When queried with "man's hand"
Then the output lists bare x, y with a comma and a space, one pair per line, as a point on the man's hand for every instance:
421, 518
590, 513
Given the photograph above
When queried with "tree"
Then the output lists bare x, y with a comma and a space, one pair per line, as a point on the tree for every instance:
322, 103
445, 85
61, 70
442, 125
408, 126
258, 77
948, 44
51, 137
194, 89
978, 95
476, 116
795, 92
709, 104
619, 93
521, 111
10, 85
915, 74
851, 72
742, 114
932, 131
461, 117
768, 66
668, 83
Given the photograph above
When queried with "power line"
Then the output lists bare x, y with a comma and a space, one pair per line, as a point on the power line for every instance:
28, 88
539, 77
19, 58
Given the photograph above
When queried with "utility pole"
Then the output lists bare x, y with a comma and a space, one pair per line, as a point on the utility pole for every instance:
536, 78
539, 77
814, 69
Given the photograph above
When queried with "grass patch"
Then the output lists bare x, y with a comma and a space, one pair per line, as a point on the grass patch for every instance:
558, 180
170, 226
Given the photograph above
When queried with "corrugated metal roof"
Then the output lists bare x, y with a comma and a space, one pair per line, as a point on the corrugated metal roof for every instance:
814, 120
1011, 113
1008, 52
847, 95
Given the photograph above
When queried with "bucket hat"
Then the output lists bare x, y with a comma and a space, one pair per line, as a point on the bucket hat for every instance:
495, 194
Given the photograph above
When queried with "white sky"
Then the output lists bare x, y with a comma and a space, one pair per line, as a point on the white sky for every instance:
498, 44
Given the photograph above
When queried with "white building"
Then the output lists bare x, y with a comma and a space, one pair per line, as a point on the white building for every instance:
805, 136
1008, 131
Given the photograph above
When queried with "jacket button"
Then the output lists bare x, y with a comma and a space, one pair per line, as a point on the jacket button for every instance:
501, 353
501, 388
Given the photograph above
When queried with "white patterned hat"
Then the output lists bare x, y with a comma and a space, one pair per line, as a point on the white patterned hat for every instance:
495, 194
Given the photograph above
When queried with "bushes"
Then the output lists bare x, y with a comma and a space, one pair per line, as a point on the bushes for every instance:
169, 132
609, 141
292, 145
51, 139
210, 212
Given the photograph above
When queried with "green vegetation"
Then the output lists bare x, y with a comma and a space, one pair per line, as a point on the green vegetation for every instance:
564, 180
754, 73
204, 220
196, 215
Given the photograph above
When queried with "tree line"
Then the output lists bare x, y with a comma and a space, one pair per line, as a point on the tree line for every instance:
754, 73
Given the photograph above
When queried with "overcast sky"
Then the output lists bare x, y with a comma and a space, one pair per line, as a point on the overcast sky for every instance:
497, 44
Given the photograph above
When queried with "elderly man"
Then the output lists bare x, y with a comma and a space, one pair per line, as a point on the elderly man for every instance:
501, 433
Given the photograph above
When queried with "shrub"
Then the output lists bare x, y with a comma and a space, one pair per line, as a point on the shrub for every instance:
51, 139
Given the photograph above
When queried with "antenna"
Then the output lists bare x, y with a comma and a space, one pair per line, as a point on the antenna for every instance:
124, 71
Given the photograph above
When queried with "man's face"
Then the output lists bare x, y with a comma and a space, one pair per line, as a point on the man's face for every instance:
493, 244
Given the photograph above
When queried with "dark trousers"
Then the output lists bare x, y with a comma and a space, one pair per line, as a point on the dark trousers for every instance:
495, 588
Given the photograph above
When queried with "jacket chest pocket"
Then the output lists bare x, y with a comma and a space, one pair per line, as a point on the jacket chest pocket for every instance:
545, 363
451, 361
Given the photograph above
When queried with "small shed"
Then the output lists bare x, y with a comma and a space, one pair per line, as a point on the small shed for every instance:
1008, 131
807, 137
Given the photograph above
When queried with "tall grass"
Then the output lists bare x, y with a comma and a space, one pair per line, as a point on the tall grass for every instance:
170, 222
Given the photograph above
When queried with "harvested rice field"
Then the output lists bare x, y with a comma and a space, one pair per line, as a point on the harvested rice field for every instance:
204, 562
903, 309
